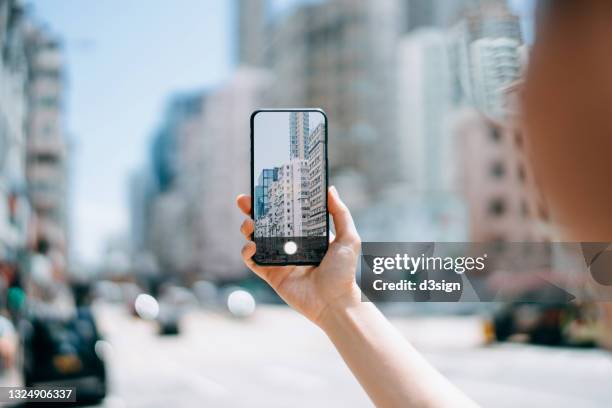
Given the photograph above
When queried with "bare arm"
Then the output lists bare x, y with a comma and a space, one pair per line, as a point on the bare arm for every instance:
389, 368
392, 372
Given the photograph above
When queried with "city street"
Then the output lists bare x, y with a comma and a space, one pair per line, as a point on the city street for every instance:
278, 359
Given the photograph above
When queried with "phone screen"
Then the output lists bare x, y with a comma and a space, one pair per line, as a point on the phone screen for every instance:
289, 186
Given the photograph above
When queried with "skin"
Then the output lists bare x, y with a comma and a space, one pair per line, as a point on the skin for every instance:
568, 112
391, 371
568, 120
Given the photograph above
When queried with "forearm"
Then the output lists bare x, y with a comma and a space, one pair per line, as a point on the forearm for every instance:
391, 371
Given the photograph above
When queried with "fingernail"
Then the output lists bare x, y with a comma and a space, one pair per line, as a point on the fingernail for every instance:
334, 191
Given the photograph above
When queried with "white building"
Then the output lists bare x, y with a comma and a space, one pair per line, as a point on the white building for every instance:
299, 131
317, 213
489, 53
425, 100
289, 200
496, 64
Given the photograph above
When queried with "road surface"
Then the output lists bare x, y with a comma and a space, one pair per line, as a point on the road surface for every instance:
278, 359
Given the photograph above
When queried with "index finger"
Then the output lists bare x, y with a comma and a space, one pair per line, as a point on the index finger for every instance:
244, 203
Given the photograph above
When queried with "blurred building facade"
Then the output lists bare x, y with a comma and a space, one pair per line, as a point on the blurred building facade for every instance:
225, 170
489, 54
433, 13
425, 100
252, 32
14, 207
395, 78
47, 145
500, 189
338, 55
182, 218
316, 224
33, 143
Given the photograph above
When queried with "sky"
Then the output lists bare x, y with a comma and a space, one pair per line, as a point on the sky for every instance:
124, 59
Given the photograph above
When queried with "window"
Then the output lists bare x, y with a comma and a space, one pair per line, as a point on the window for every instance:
522, 174
495, 134
47, 129
518, 139
498, 170
524, 209
46, 158
497, 207
48, 102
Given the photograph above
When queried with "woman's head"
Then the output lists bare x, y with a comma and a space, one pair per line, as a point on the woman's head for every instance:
568, 115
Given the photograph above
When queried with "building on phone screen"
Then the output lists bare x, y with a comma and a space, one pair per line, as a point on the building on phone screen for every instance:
290, 199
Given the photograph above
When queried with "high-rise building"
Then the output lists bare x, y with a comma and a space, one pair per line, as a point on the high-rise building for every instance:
315, 224
47, 146
171, 137
14, 208
223, 126
425, 101
432, 13
496, 62
489, 52
299, 130
261, 199
503, 200
288, 197
190, 182
169, 189
251, 32
339, 55
425, 104
142, 191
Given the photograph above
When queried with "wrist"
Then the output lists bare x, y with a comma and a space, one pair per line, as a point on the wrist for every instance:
339, 308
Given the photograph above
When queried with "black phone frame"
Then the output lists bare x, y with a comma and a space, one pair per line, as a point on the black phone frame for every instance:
252, 123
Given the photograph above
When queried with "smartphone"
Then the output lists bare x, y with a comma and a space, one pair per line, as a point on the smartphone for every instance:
289, 178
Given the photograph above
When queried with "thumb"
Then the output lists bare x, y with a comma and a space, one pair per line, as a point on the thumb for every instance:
346, 232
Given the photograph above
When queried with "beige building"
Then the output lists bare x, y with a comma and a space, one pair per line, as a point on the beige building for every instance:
501, 193
47, 149
288, 197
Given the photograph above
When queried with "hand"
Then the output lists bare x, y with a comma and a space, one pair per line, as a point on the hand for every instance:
308, 289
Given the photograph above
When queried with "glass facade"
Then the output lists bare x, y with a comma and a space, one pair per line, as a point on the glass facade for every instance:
262, 203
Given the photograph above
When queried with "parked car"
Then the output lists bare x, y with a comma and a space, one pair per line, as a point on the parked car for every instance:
169, 320
62, 352
550, 324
